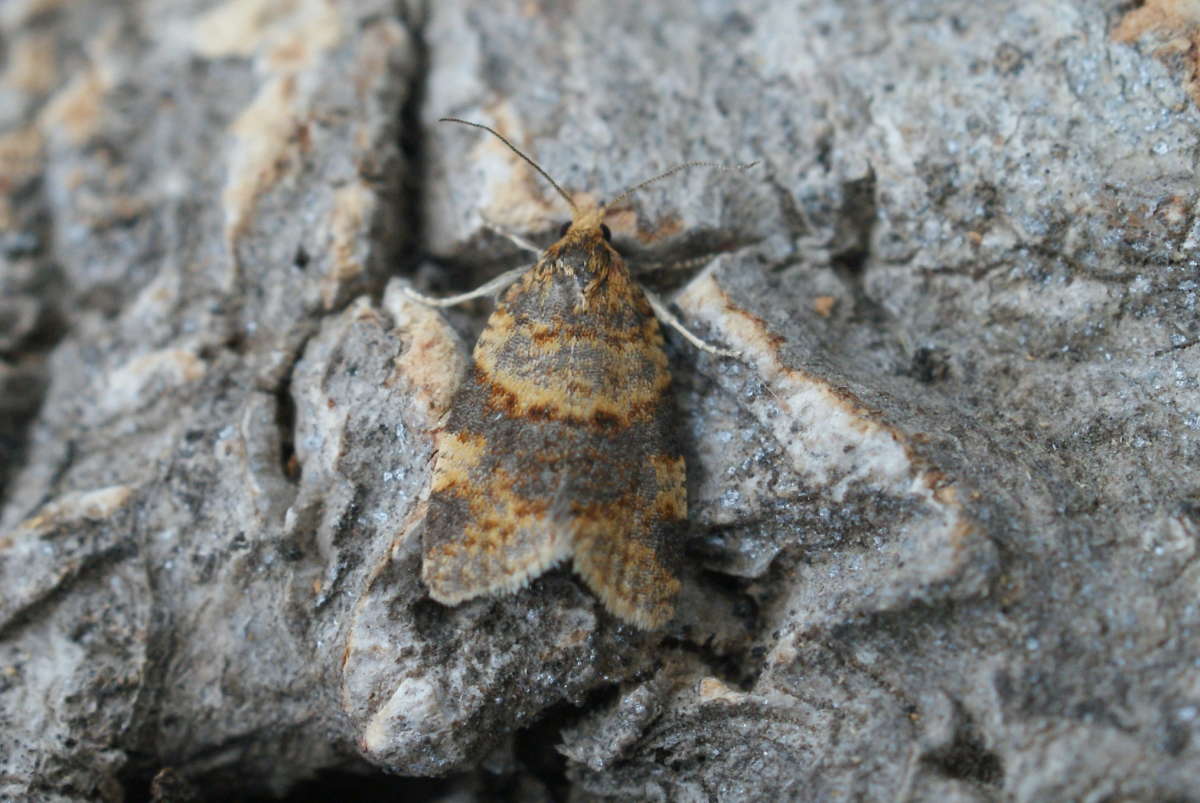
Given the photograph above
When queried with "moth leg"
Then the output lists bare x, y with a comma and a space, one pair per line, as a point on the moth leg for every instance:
515, 239
666, 316
487, 289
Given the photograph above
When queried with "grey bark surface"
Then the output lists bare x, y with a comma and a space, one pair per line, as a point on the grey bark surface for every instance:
943, 513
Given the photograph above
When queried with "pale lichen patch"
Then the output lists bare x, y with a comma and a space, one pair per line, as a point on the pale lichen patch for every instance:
262, 154
512, 190
434, 362
20, 161
146, 376
1174, 28
290, 38
349, 226
75, 110
31, 66
852, 456
836, 442
714, 690
289, 32
94, 505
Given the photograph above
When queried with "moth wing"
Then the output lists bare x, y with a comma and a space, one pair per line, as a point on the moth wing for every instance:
627, 560
480, 537
560, 445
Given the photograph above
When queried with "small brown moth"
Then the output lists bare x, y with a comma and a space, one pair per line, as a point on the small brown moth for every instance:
560, 442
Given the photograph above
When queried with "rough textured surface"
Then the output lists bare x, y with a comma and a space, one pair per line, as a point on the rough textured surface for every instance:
943, 517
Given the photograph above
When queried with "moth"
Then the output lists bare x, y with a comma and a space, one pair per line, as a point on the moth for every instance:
559, 444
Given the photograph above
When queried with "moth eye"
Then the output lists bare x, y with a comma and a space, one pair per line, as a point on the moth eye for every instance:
606, 233
563, 231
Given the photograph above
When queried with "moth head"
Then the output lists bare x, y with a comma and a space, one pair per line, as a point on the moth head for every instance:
589, 220
586, 222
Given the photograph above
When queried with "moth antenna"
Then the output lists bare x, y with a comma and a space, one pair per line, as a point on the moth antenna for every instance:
679, 169
517, 151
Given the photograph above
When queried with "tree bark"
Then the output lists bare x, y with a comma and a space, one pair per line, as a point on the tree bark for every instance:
943, 510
